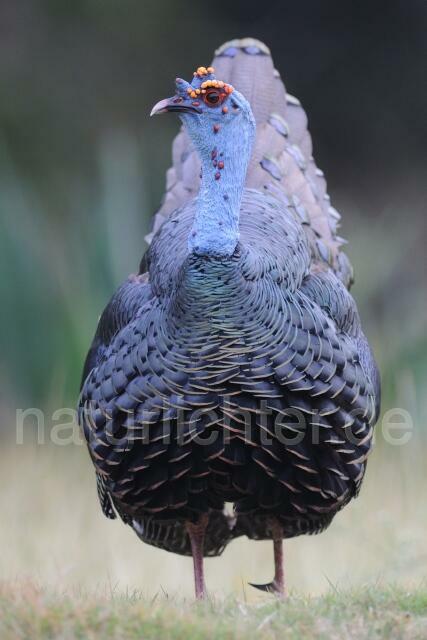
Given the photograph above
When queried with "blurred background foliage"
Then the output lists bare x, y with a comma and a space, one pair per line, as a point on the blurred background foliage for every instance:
82, 166
82, 171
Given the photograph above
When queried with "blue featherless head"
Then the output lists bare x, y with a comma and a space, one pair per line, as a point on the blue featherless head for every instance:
207, 106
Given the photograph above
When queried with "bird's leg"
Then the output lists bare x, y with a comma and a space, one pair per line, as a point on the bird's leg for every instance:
279, 572
196, 533
277, 586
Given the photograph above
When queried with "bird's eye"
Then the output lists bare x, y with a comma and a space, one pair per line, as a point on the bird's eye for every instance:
212, 97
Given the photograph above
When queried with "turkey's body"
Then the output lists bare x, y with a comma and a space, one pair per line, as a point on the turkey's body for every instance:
243, 379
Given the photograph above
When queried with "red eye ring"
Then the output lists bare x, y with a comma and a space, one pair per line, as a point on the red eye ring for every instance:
213, 97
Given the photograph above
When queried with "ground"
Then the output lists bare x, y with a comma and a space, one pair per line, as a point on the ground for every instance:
29, 613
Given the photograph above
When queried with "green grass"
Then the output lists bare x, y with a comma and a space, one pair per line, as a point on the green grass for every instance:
27, 612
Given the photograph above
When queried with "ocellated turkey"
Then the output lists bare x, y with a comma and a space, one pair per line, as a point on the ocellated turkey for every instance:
232, 368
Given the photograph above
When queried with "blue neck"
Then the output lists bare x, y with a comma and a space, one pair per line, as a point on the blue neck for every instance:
215, 230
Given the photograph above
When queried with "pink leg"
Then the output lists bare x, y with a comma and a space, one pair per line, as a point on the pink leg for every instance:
279, 574
196, 533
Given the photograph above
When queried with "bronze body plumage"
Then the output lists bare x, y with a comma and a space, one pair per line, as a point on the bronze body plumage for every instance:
243, 379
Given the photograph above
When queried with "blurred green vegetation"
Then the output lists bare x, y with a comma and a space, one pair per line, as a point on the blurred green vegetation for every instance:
60, 272
82, 166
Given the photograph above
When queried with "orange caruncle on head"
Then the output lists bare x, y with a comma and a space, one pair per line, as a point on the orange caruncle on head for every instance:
204, 85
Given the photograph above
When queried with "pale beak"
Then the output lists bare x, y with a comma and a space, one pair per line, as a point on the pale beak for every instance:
175, 103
